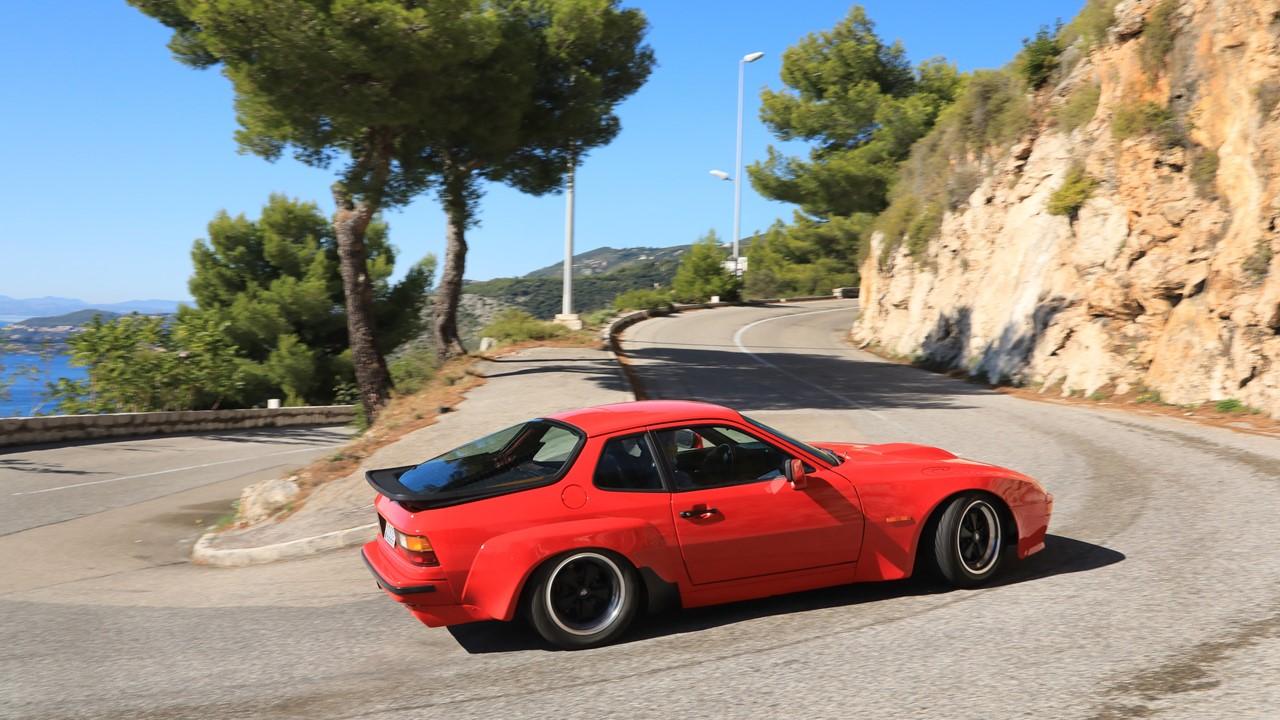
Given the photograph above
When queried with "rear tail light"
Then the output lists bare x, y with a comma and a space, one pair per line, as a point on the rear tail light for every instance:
417, 549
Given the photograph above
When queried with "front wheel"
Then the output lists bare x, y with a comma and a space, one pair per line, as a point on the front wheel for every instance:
583, 599
967, 543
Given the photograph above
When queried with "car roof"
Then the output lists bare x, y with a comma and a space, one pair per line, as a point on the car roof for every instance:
605, 419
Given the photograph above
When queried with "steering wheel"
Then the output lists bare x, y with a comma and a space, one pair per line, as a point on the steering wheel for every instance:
717, 462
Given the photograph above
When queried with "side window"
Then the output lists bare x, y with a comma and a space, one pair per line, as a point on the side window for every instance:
710, 456
626, 464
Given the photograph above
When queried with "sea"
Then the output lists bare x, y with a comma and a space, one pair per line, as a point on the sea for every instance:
29, 374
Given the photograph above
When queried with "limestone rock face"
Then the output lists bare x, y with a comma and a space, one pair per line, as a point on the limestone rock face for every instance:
1159, 283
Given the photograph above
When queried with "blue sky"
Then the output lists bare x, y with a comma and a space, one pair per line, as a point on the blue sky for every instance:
115, 157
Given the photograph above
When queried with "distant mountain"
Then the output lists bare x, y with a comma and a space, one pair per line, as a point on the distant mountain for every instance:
45, 306
607, 259
72, 319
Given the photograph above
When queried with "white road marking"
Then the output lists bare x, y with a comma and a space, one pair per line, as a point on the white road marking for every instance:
164, 472
737, 340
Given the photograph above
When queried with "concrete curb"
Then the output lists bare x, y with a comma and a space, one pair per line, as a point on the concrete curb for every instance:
205, 554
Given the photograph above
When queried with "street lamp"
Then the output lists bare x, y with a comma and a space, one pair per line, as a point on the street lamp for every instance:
737, 167
567, 316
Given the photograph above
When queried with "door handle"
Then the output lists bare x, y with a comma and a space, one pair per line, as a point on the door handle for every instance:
699, 513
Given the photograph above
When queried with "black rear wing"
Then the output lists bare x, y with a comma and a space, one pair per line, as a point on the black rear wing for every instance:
387, 482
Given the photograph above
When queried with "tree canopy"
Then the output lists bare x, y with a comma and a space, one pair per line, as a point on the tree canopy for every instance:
269, 321
407, 95
860, 105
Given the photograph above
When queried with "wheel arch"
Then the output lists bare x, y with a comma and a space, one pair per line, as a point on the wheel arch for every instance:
924, 538
498, 581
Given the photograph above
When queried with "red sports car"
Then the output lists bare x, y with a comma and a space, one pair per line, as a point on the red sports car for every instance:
583, 519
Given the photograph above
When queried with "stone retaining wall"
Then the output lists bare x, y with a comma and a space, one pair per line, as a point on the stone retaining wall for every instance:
70, 428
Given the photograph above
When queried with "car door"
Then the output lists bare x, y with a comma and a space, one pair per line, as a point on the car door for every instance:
737, 516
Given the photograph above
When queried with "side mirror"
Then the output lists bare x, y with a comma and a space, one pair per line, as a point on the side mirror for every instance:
794, 470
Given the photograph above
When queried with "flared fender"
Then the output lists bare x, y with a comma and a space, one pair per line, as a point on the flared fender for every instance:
897, 512
503, 564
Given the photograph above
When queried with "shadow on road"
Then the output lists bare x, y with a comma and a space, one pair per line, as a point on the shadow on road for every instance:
1061, 556
767, 380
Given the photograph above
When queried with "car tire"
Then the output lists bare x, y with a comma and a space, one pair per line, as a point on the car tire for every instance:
583, 599
968, 542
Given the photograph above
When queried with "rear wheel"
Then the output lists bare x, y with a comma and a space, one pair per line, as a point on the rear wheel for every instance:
583, 599
968, 543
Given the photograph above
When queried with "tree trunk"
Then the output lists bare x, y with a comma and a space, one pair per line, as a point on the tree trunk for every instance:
458, 196
349, 224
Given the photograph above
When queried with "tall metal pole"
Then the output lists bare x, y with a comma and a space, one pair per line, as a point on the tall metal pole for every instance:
567, 306
737, 174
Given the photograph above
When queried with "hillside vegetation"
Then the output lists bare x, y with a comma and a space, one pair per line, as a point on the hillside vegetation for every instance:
1098, 218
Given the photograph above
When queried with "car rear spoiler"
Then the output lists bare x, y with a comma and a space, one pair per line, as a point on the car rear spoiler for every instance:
387, 482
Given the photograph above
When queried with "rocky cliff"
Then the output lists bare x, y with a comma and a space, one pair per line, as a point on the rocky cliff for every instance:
1167, 278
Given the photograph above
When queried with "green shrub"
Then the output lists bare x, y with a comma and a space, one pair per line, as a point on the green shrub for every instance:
1158, 36
702, 275
1072, 193
1204, 172
1148, 396
923, 229
1147, 118
512, 325
945, 166
1079, 108
1090, 26
410, 370
642, 300
1039, 56
596, 318
1258, 264
1230, 405
1267, 94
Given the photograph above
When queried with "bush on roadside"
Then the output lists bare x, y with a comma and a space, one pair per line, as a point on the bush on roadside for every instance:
1079, 108
1039, 56
1258, 265
1158, 36
1072, 193
1267, 94
513, 325
702, 275
596, 318
656, 299
1090, 25
411, 369
1204, 172
1147, 118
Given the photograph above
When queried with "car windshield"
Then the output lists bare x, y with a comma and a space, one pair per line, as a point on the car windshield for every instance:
521, 456
824, 454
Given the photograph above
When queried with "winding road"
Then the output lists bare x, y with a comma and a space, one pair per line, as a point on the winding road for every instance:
1158, 594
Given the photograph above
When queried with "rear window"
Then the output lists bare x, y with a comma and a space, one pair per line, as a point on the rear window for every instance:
525, 455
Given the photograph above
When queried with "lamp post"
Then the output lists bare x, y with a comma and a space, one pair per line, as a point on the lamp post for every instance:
737, 166
567, 316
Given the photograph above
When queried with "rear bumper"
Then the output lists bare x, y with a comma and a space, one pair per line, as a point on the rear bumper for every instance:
395, 590
430, 599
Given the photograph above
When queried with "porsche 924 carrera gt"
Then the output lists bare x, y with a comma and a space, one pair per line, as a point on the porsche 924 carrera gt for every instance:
582, 520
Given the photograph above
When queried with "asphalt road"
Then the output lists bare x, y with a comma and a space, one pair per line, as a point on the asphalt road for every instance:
1158, 594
